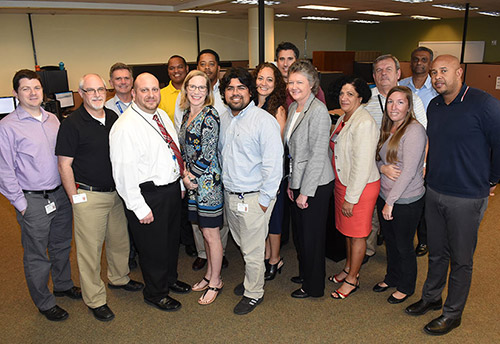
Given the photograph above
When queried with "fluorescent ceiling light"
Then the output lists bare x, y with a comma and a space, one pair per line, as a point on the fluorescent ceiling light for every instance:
489, 13
361, 21
320, 18
413, 1
281, 15
425, 17
454, 7
203, 11
254, 2
379, 13
323, 8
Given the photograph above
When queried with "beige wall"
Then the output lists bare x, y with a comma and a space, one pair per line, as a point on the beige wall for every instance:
92, 43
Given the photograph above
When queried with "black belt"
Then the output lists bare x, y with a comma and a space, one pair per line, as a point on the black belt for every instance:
41, 192
95, 188
241, 193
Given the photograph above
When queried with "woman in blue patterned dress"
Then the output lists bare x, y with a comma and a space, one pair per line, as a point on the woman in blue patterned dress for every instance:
199, 137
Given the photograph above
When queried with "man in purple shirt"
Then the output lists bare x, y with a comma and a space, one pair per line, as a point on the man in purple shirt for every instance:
30, 181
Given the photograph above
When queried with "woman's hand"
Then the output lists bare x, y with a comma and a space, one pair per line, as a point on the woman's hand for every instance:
387, 212
347, 209
190, 185
302, 201
391, 171
289, 192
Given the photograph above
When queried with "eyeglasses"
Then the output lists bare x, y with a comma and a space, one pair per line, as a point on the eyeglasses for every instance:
193, 88
100, 90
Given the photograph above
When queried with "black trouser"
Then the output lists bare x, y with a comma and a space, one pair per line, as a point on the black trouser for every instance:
311, 233
398, 234
187, 237
158, 242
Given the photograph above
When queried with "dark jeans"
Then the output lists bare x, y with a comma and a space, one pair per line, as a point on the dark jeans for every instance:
398, 234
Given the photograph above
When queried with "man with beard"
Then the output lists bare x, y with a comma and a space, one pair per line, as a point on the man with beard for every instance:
83, 152
147, 166
252, 154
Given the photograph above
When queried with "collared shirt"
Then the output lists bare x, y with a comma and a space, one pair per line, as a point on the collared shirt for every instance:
27, 159
218, 105
86, 140
376, 107
464, 144
117, 105
425, 93
140, 154
168, 99
251, 152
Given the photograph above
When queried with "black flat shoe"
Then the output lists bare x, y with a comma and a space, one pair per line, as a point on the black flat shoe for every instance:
130, 286
55, 313
180, 287
393, 301
103, 313
74, 293
300, 294
421, 250
379, 289
421, 307
441, 325
166, 304
273, 269
297, 279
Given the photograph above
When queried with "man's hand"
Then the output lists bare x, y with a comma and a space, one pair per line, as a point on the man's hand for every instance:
22, 212
391, 171
289, 193
263, 208
492, 190
148, 219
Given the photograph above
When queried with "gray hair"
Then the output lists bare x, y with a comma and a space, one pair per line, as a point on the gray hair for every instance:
385, 57
80, 84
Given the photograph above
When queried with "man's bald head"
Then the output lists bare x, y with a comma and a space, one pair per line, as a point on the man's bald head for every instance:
146, 92
446, 75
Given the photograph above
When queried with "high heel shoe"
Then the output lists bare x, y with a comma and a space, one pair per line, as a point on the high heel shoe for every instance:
266, 263
334, 278
338, 295
273, 269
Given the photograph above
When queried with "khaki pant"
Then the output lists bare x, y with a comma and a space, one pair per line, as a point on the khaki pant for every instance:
100, 219
249, 230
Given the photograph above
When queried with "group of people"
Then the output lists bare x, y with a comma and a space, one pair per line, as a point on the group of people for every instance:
241, 150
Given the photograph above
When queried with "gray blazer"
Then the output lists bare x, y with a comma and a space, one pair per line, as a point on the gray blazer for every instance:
308, 147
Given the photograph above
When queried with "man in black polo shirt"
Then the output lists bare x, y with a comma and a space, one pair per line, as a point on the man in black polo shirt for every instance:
463, 169
83, 153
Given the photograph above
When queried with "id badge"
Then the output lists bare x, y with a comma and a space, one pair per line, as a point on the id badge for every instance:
243, 207
51, 207
79, 198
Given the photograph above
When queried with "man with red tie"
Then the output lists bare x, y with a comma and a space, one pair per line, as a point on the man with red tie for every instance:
147, 167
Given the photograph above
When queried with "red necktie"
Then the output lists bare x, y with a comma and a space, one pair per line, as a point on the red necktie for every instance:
171, 143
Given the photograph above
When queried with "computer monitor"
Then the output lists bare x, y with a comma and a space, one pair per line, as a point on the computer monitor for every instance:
7, 105
66, 99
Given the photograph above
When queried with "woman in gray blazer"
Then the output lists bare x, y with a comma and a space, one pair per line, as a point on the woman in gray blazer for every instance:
310, 187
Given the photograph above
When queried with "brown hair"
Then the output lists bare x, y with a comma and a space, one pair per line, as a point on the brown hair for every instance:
385, 128
278, 97
209, 99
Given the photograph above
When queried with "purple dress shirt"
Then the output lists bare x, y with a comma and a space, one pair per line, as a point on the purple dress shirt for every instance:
27, 155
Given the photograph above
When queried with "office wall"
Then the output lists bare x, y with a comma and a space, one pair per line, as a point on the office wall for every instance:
400, 38
92, 43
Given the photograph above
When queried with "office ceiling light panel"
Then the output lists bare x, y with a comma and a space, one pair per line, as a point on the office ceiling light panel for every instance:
323, 8
425, 17
379, 13
254, 2
203, 11
281, 15
320, 18
413, 1
489, 13
454, 7
361, 21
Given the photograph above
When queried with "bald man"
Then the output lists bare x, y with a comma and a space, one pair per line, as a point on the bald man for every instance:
147, 167
83, 157
462, 171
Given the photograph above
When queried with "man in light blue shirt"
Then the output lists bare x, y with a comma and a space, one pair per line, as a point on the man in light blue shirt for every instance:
420, 81
252, 166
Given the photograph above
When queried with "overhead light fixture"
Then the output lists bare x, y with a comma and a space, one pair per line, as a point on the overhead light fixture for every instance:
454, 7
203, 11
413, 1
361, 21
320, 18
489, 13
281, 15
425, 17
323, 8
379, 13
255, 2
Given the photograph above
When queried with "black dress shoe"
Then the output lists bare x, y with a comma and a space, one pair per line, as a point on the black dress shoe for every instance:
441, 325
297, 279
103, 313
366, 259
74, 293
191, 250
393, 301
225, 262
166, 304
421, 307
180, 287
239, 290
379, 289
300, 294
246, 305
273, 269
130, 286
421, 250
55, 313
199, 263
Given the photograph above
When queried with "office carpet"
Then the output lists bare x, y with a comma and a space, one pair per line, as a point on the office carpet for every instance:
364, 317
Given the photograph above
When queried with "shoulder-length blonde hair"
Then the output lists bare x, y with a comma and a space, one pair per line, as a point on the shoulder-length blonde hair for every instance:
385, 128
209, 99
